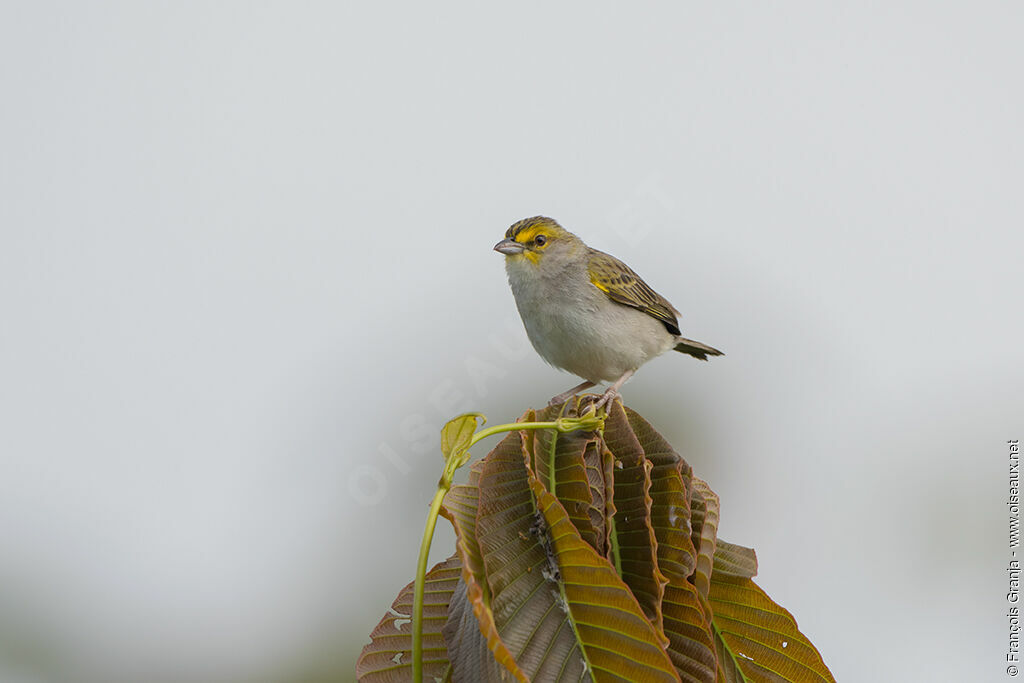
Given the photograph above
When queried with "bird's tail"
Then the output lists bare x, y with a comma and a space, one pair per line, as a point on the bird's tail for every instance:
696, 349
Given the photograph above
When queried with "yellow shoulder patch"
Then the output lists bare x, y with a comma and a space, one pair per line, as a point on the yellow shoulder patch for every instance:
623, 286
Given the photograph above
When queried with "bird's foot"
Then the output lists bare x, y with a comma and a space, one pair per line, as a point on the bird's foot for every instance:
560, 399
613, 390
606, 397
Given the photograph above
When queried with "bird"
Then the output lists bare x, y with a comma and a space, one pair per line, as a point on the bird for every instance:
586, 311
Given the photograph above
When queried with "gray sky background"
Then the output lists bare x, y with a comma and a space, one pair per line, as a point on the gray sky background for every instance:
246, 275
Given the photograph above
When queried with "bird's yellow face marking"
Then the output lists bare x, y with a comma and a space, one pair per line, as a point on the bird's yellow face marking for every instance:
535, 234
536, 240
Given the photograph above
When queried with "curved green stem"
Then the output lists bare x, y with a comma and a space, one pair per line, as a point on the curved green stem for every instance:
421, 576
453, 461
498, 429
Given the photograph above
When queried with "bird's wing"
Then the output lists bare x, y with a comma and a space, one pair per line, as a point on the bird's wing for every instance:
622, 285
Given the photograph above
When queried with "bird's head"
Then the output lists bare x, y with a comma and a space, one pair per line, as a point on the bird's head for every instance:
536, 240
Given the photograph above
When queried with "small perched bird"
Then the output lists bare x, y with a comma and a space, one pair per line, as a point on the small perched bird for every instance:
586, 311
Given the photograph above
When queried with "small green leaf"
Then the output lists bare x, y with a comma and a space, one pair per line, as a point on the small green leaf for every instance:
457, 434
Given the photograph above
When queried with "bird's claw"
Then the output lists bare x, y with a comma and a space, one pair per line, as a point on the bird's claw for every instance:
605, 399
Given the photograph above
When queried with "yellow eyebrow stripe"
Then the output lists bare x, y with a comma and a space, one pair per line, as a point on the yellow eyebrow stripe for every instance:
526, 229
527, 234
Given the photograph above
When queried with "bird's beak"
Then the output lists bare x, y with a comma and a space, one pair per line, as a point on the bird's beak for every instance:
509, 247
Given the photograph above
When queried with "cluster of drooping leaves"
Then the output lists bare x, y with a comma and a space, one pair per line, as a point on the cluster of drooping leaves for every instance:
586, 551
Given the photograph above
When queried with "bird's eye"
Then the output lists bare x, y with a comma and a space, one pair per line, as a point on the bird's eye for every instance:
540, 240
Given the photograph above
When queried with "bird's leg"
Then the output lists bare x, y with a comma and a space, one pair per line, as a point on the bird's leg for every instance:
566, 395
613, 390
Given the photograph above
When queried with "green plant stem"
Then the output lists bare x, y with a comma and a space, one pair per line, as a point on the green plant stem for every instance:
498, 429
552, 480
421, 576
453, 462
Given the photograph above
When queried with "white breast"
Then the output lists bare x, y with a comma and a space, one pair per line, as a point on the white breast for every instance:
576, 327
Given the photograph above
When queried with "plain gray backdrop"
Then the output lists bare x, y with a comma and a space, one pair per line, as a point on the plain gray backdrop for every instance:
246, 275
